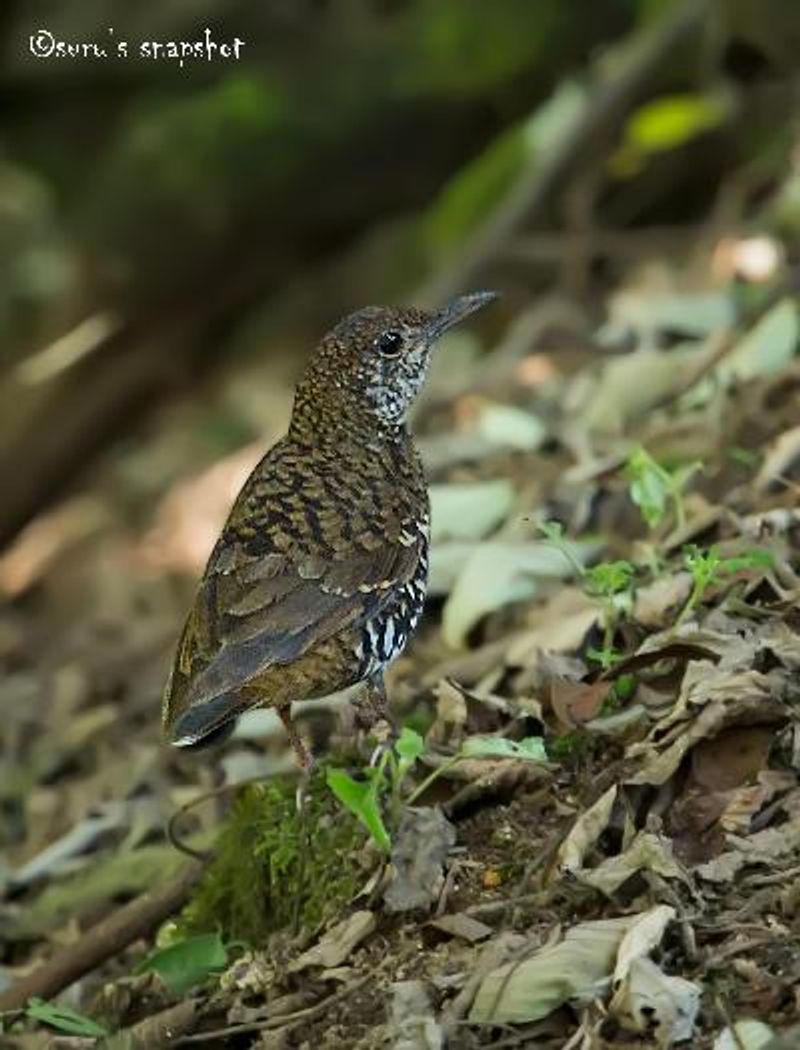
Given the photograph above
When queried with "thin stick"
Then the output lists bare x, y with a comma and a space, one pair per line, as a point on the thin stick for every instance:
103, 940
286, 1021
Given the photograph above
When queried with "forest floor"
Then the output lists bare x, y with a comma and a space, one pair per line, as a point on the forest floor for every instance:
589, 833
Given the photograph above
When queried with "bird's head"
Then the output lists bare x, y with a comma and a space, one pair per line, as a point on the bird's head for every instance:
374, 362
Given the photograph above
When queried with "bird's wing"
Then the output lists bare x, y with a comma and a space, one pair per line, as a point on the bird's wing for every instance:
258, 606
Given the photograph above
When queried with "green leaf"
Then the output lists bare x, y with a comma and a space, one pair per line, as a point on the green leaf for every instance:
531, 748
186, 963
755, 559
673, 120
361, 798
63, 1018
609, 578
606, 657
648, 488
408, 747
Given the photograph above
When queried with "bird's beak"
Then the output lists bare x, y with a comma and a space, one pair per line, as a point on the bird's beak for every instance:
456, 310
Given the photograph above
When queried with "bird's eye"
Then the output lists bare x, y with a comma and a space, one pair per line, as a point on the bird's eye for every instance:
389, 344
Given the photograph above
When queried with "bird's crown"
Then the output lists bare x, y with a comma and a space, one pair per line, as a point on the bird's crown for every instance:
371, 365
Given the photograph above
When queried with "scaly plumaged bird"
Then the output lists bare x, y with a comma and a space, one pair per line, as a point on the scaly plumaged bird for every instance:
319, 576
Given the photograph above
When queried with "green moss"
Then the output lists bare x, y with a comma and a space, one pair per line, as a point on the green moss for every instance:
274, 866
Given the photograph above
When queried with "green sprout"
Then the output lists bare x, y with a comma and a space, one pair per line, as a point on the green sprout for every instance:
653, 487
708, 567
364, 797
609, 581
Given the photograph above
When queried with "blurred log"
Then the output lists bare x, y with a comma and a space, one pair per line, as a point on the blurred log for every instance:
103, 940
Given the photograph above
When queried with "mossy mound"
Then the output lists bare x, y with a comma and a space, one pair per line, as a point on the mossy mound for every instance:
274, 867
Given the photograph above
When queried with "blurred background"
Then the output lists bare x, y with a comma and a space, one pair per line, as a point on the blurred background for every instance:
175, 237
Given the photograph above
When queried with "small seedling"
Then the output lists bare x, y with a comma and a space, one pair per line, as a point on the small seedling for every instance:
553, 533
364, 797
609, 578
708, 567
653, 487
610, 581
605, 657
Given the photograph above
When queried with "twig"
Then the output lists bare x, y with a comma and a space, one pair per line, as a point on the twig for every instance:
157, 1032
198, 800
103, 940
285, 1021
491, 908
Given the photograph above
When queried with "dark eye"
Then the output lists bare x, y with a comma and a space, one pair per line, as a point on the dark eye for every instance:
390, 344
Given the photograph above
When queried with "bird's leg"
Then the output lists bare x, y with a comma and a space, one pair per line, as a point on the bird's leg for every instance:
305, 759
372, 709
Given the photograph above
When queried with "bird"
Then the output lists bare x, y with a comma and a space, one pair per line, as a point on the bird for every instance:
318, 578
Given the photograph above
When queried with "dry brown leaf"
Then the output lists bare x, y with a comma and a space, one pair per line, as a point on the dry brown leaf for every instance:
764, 847
585, 832
575, 703
732, 758
577, 968
337, 943
727, 699
648, 851
658, 601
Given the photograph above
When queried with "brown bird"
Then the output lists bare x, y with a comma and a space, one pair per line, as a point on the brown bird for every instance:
319, 576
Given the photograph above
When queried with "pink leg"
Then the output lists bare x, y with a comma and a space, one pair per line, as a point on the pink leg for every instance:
304, 757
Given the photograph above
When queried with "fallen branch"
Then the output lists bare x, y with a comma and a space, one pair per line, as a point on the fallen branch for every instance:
158, 1032
103, 940
284, 1022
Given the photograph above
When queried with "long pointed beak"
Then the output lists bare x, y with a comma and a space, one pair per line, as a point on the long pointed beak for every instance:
456, 310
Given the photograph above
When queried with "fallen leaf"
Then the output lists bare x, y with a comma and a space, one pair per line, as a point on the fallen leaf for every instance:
648, 851
495, 574
577, 968
632, 384
421, 846
732, 758
652, 1002
726, 697
763, 847
657, 602
462, 926
335, 946
767, 348
780, 460
412, 1022
575, 703
469, 511
585, 832
645, 934
747, 1034
507, 426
